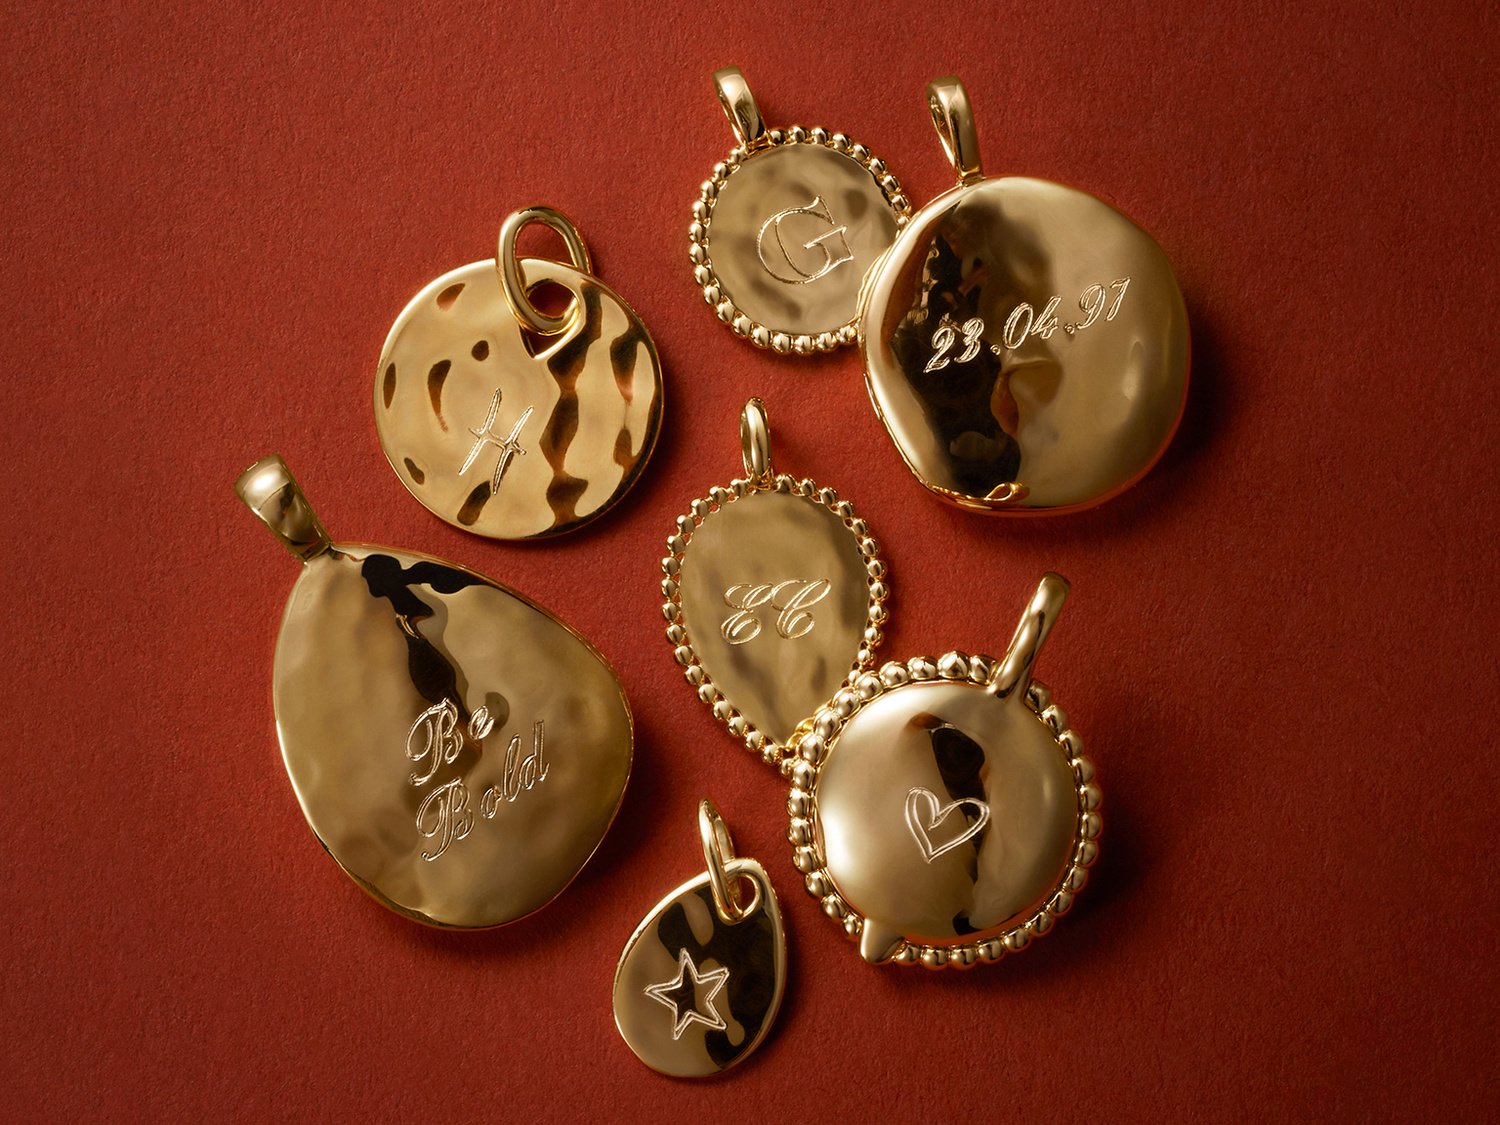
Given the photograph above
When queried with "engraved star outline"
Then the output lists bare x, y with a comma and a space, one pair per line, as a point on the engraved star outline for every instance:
509, 447
668, 991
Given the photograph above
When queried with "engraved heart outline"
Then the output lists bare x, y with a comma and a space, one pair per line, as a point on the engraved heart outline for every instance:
936, 814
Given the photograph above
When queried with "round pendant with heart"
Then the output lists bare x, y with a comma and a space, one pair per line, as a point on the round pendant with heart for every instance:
942, 810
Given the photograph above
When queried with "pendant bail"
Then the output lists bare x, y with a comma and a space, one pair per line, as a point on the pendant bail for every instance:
513, 284
723, 868
755, 442
739, 106
954, 121
272, 493
1014, 673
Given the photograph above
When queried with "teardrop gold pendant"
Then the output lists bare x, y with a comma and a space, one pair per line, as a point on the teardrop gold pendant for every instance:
942, 810
510, 422
700, 981
1025, 344
457, 749
775, 596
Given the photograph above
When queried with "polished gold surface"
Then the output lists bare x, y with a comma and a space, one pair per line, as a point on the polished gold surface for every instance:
1025, 344
774, 594
505, 431
786, 227
698, 986
458, 750
941, 809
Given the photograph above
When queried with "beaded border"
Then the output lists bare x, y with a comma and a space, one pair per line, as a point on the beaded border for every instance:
804, 835
703, 268
773, 753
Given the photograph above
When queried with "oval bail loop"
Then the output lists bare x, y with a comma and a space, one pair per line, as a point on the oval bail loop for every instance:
755, 442
723, 868
739, 106
954, 121
272, 493
1014, 673
513, 285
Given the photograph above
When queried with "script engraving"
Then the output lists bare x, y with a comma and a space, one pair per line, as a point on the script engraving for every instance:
791, 601
1024, 322
447, 814
508, 446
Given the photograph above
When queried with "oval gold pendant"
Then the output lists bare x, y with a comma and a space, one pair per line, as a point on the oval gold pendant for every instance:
700, 981
1025, 344
941, 810
509, 422
787, 225
775, 597
457, 749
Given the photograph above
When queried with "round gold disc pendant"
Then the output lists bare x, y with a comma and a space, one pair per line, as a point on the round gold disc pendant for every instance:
775, 597
509, 422
786, 227
1025, 344
941, 809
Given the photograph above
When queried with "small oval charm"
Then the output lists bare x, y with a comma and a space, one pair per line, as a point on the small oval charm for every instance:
457, 749
700, 981
942, 809
786, 227
509, 422
1025, 344
775, 595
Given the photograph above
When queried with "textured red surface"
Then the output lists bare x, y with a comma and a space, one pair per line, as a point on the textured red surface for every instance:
1280, 650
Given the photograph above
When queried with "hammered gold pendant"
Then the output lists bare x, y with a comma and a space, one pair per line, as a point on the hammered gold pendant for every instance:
942, 810
700, 981
457, 749
510, 422
775, 596
1025, 344
787, 225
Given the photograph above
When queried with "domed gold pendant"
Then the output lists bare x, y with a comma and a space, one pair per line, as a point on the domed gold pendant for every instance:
786, 227
700, 981
510, 422
941, 810
457, 749
775, 596
1025, 344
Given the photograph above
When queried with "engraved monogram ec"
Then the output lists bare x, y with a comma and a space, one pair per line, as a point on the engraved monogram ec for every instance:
790, 601
828, 245
434, 741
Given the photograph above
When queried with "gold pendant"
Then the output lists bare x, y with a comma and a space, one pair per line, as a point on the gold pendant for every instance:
457, 749
942, 810
700, 981
775, 596
510, 422
786, 227
1025, 344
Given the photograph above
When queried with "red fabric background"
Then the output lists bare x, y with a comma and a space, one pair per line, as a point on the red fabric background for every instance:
1280, 650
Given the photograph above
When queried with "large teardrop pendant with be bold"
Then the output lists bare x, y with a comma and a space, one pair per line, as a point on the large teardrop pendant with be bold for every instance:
775, 597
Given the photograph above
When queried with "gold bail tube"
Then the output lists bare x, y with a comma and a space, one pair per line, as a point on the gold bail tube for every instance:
755, 442
739, 106
271, 492
723, 868
954, 121
1014, 673
513, 285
